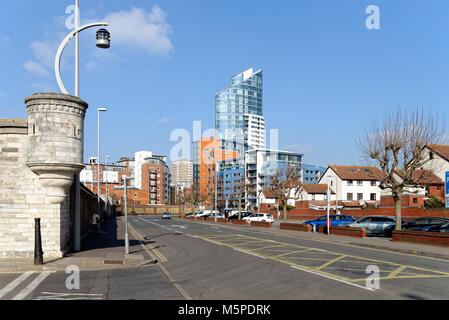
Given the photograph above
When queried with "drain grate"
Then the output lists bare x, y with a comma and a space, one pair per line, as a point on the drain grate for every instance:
114, 262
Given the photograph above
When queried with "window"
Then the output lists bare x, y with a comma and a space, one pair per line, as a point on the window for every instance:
350, 197
373, 183
350, 183
439, 188
415, 200
360, 183
373, 197
359, 196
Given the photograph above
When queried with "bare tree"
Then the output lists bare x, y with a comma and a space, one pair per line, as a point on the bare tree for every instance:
240, 190
397, 145
285, 184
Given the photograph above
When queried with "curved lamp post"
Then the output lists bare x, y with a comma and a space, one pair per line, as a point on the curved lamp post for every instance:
103, 41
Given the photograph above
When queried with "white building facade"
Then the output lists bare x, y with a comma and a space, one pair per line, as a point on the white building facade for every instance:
353, 183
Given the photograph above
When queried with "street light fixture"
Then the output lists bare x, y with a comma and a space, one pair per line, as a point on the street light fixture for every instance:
103, 39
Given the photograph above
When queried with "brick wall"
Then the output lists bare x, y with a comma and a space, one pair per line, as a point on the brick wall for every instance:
407, 213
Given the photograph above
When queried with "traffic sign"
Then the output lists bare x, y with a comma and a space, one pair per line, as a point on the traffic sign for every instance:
446, 183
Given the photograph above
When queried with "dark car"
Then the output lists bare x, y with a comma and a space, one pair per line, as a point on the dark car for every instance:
336, 221
424, 224
442, 228
245, 214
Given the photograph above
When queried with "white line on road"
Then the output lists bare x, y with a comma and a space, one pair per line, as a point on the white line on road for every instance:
10, 287
32, 286
332, 278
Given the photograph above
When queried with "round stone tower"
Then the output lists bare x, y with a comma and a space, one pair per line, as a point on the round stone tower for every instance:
56, 129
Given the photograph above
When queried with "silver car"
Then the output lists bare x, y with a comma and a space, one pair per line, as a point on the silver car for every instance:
376, 225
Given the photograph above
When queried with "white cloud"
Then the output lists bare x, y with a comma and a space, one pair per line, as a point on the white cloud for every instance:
35, 68
164, 120
147, 30
44, 52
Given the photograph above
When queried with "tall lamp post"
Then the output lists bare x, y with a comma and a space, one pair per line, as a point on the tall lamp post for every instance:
107, 170
125, 189
99, 174
103, 41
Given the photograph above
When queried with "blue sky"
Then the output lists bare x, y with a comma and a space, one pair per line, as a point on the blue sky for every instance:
327, 77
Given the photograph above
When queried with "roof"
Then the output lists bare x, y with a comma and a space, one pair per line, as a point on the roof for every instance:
441, 149
357, 172
268, 194
426, 177
316, 188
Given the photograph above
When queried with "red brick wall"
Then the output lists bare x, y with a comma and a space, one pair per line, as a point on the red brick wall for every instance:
407, 213
430, 238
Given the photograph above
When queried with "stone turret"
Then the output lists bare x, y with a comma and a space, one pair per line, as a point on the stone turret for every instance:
55, 129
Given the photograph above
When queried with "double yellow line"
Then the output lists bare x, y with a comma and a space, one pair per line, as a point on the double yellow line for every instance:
152, 251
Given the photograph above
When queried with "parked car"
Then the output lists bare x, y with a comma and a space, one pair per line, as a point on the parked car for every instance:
441, 228
166, 216
235, 216
424, 224
206, 213
218, 215
376, 225
336, 221
259, 217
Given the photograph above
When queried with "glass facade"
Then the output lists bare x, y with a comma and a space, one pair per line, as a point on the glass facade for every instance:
243, 96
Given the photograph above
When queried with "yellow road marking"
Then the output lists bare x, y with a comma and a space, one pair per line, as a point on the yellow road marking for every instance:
393, 274
269, 247
330, 263
338, 257
291, 253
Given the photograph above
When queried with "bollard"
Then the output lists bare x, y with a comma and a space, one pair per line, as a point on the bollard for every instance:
38, 253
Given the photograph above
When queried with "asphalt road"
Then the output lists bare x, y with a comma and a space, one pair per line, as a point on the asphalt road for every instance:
202, 261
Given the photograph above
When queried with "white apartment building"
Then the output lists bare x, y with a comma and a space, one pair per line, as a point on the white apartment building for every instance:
260, 166
255, 132
139, 161
182, 173
354, 183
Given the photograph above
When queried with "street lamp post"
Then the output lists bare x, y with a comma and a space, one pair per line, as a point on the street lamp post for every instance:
99, 174
101, 44
107, 170
125, 189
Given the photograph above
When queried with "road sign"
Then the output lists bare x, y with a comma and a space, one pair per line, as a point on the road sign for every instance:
447, 189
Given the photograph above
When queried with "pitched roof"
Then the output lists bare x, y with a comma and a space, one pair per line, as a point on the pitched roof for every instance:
316, 188
426, 177
268, 194
357, 172
441, 149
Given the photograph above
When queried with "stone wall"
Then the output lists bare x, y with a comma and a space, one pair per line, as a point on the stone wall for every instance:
22, 199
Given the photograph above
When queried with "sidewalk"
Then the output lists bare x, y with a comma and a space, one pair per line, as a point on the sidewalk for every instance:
369, 242
104, 250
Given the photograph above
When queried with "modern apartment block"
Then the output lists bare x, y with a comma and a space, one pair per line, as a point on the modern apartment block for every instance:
238, 108
182, 174
311, 174
153, 175
261, 165
255, 132
207, 155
